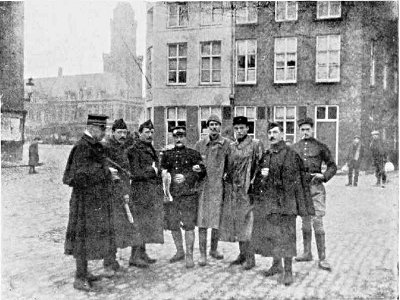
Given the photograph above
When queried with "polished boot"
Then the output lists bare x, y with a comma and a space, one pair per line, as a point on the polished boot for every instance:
203, 246
81, 281
307, 255
144, 255
136, 260
320, 240
180, 253
250, 257
241, 258
214, 244
287, 276
276, 267
189, 240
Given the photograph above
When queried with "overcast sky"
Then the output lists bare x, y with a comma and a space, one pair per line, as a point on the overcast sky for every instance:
72, 35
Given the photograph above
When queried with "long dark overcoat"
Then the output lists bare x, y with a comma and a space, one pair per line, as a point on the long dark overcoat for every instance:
33, 155
90, 231
147, 193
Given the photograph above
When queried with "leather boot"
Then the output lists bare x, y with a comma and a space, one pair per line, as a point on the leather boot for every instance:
250, 257
307, 255
241, 258
81, 281
276, 267
189, 240
144, 255
322, 264
288, 275
180, 253
214, 245
136, 260
203, 246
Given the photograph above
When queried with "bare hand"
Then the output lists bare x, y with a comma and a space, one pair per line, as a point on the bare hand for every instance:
196, 168
179, 178
154, 167
264, 171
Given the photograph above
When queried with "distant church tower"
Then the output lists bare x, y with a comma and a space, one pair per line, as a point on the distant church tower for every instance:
122, 59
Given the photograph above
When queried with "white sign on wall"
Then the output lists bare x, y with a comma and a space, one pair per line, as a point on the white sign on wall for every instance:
11, 128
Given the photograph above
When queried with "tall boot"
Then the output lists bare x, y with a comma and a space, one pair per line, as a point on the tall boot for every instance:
214, 244
307, 255
81, 281
203, 246
144, 255
178, 241
250, 257
241, 258
135, 259
189, 240
320, 240
288, 276
276, 267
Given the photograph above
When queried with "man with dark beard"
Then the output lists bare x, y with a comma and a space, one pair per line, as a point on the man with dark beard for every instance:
282, 194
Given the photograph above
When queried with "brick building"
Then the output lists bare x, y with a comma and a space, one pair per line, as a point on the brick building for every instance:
283, 60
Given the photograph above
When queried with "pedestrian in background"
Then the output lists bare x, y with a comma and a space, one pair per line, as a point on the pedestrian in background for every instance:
313, 154
214, 150
33, 155
282, 194
186, 169
147, 194
237, 209
90, 232
379, 157
355, 154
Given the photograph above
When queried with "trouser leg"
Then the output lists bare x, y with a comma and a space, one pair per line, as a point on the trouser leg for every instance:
81, 267
214, 244
307, 236
275, 268
288, 276
249, 256
241, 257
178, 241
203, 246
350, 175
356, 173
189, 240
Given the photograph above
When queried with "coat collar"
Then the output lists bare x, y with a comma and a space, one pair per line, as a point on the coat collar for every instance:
275, 148
247, 141
89, 139
219, 140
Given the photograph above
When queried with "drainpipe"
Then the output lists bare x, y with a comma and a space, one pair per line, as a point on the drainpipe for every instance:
232, 94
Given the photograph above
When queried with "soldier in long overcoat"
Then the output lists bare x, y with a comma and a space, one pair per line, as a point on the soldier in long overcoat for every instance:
33, 155
379, 157
237, 208
147, 192
282, 194
90, 233
214, 150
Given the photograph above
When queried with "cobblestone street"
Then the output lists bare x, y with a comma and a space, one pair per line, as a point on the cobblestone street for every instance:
361, 230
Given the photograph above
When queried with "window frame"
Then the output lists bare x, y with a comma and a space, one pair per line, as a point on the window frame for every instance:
372, 70
246, 61
177, 64
178, 5
319, 80
176, 120
210, 108
246, 8
286, 19
213, 6
249, 120
329, 16
211, 56
285, 120
286, 67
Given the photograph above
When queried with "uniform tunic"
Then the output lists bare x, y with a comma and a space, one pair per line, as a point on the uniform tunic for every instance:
237, 215
215, 156
313, 153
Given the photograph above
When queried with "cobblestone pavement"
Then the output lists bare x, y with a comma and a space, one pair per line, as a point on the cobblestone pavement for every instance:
362, 246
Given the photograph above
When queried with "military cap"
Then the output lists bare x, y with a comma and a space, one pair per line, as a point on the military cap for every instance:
148, 124
273, 125
119, 124
214, 118
375, 132
305, 121
240, 120
179, 131
97, 120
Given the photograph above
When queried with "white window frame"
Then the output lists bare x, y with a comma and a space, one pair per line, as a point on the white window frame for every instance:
211, 57
149, 71
209, 7
210, 111
249, 119
286, 19
372, 64
149, 113
245, 6
286, 61
178, 11
328, 51
329, 15
177, 57
285, 120
246, 68
327, 119
176, 119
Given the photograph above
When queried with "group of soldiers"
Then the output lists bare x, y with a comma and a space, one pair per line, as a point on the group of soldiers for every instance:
127, 196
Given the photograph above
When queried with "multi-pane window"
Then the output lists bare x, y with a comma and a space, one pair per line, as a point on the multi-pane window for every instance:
176, 116
210, 67
285, 60
372, 64
211, 12
246, 12
178, 14
246, 57
250, 113
328, 58
177, 63
286, 117
328, 9
327, 112
285, 11
205, 112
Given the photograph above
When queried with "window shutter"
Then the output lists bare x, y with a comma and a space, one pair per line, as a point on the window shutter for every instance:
226, 113
301, 112
260, 113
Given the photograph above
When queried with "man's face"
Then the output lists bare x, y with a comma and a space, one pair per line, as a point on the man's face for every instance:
146, 135
179, 140
214, 128
275, 135
120, 135
98, 132
240, 130
306, 131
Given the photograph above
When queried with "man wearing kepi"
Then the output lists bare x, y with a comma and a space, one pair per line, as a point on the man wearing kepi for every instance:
237, 209
147, 194
214, 150
126, 233
90, 233
186, 169
313, 154
281, 195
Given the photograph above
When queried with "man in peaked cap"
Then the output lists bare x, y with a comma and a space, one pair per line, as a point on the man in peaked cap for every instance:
379, 156
90, 232
214, 150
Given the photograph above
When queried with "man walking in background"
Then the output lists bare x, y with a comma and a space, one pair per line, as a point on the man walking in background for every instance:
355, 155
379, 157
33, 155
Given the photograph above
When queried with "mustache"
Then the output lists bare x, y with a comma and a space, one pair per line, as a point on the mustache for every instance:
272, 139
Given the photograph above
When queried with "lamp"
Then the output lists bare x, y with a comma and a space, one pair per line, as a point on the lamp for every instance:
29, 89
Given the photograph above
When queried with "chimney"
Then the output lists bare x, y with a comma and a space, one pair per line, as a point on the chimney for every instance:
60, 72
